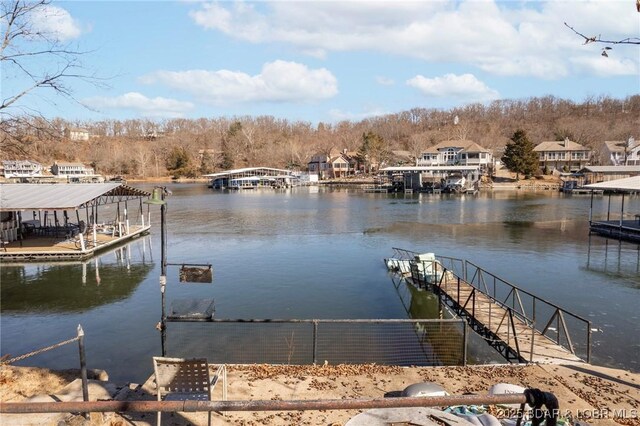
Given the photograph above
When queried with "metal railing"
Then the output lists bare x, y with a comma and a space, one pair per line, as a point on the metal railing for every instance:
537, 313
423, 342
83, 360
550, 320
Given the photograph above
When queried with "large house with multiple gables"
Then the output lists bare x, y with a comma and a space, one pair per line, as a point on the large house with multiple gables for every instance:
335, 164
456, 153
21, 169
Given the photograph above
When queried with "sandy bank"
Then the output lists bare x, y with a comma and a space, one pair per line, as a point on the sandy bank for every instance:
600, 396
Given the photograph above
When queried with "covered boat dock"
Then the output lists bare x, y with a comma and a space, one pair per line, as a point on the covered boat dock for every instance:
50, 222
419, 178
253, 177
627, 225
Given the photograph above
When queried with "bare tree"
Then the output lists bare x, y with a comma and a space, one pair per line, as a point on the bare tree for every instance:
25, 48
599, 39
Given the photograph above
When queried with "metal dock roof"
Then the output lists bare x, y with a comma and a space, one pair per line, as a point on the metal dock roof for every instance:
59, 196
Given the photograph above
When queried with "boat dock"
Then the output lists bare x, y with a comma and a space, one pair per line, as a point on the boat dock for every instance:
36, 224
518, 324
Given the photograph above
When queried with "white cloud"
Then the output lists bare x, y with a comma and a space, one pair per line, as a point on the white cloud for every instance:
606, 67
465, 86
148, 107
56, 22
507, 38
339, 115
385, 81
278, 81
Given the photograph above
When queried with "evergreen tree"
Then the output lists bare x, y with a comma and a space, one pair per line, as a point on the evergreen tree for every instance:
372, 150
519, 156
231, 146
179, 163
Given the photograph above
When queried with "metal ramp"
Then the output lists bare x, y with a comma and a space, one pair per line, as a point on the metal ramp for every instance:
519, 325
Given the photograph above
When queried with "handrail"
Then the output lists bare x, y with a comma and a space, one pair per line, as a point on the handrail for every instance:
525, 291
512, 302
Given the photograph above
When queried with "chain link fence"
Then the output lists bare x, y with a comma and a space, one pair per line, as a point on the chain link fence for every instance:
389, 342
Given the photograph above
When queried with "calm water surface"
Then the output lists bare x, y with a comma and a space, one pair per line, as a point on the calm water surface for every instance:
317, 253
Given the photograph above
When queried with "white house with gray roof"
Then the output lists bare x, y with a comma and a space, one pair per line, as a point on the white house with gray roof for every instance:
21, 169
623, 153
456, 153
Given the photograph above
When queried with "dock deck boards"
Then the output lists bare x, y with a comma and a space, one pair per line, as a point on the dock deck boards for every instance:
51, 248
496, 319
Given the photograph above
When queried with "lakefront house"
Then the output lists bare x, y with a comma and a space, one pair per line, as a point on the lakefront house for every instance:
565, 155
456, 153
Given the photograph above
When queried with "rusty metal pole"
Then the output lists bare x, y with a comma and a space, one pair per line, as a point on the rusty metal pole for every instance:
258, 405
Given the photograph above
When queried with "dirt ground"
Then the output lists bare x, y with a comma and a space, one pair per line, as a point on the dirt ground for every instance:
597, 395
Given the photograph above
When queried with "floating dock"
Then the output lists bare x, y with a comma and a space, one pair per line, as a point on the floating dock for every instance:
518, 324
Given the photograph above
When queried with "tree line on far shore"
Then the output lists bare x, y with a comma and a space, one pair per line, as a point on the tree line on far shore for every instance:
182, 147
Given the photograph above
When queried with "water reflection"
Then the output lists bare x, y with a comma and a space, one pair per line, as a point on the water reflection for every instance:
75, 286
614, 259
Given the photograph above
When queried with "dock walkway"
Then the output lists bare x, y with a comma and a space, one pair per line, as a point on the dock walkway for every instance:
489, 318
520, 325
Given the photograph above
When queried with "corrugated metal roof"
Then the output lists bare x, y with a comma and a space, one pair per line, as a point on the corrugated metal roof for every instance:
611, 169
60, 196
626, 184
244, 170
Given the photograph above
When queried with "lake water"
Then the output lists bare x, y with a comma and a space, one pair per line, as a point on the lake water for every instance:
317, 253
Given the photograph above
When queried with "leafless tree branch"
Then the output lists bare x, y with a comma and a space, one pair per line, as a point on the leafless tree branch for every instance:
598, 39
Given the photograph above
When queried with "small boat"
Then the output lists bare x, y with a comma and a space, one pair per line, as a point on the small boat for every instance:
423, 267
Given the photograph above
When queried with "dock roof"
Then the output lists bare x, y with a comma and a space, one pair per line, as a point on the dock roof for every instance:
418, 169
627, 184
249, 170
60, 196
611, 169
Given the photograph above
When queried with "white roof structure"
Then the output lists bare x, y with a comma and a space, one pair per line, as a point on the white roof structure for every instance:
611, 169
430, 169
627, 184
61, 196
263, 170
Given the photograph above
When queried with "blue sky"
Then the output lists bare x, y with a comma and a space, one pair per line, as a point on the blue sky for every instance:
329, 61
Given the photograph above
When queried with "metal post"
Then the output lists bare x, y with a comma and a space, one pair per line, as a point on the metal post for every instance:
589, 342
83, 368
163, 272
315, 341
533, 329
464, 343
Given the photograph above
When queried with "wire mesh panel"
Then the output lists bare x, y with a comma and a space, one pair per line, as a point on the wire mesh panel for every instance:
243, 342
389, 342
